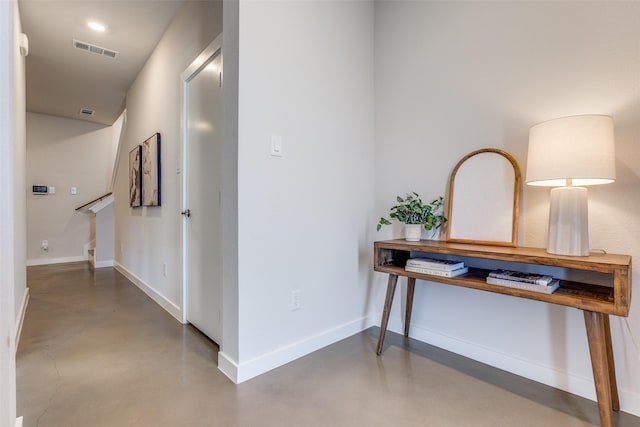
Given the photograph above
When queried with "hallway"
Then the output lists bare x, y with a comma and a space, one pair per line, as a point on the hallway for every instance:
96, 351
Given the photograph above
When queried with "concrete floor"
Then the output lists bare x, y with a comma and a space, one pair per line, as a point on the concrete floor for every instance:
96, 351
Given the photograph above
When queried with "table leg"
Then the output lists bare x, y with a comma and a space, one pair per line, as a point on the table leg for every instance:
411, 286
615, 400
391, 290
595, 323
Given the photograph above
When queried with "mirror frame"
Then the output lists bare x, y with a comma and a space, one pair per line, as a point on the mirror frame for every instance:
517, 189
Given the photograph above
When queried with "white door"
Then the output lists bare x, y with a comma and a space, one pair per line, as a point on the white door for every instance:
202, 212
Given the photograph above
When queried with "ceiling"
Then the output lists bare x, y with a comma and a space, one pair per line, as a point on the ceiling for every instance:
61, 79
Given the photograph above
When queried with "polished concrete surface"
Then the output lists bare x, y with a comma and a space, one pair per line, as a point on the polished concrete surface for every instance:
96, 351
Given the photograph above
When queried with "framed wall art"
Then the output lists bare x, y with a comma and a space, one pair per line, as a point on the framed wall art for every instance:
135, 178
151, 171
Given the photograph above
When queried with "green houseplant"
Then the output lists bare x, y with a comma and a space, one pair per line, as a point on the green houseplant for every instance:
412, 211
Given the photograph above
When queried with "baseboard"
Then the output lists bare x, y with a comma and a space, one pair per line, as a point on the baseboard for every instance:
228, 366
580, 386
240, 372
160, 299
103, 264
629, 402
46, 261
20, 319
19, 422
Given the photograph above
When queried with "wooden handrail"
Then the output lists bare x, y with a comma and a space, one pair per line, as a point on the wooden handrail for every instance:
93, 201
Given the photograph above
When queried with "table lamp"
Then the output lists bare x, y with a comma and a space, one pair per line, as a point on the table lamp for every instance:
569, 153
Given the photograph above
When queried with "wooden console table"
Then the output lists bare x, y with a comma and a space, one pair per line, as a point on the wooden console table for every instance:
597, 301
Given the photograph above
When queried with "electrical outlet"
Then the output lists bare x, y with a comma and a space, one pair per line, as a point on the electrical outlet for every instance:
295, 300
45, 245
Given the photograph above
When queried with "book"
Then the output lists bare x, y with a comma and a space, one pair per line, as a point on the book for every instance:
436, 272
435, 264
519, 276
546, 289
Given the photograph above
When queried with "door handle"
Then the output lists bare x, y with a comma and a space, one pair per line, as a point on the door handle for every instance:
186, 213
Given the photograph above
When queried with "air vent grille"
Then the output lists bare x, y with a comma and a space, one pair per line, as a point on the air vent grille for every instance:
88, 47
86, 112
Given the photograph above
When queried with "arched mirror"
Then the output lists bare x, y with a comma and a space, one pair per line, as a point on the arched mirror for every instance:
484, 199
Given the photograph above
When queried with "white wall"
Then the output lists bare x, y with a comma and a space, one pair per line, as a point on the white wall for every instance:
117, 132
64, 153
104, 224
230, 321
148, 237
305, 73
452, 77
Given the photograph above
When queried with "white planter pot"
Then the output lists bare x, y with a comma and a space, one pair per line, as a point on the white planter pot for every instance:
412, 232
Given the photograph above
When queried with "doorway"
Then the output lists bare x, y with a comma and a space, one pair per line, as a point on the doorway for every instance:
202, 192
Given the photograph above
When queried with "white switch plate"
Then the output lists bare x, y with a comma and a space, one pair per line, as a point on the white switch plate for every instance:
276, 145
296, 302
52, 190
74, 190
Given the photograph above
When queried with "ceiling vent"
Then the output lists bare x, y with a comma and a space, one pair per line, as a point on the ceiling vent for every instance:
88, 47
86, 112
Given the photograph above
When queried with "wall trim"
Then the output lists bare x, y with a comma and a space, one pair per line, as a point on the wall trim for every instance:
629, 401
103, 264
580, 386
228, 366
46, 261
19, 422
240, 372
20, 317
160, 299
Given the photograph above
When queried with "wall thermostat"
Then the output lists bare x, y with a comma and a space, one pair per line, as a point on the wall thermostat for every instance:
40, 189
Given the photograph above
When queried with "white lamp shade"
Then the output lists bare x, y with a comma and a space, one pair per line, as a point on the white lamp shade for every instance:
580, 148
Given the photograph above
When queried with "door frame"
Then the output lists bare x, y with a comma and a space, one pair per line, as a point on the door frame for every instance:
213, 50
8, 186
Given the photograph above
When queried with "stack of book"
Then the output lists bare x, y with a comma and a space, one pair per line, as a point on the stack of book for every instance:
436, 267
520, 280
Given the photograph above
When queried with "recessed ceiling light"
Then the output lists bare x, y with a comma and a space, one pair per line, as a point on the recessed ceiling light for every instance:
95, 26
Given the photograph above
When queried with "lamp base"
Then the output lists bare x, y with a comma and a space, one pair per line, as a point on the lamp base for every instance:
568, 222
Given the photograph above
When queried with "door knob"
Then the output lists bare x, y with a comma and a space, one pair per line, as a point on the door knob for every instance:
186, 213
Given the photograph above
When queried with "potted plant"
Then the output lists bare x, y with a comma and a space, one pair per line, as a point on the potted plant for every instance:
416, 214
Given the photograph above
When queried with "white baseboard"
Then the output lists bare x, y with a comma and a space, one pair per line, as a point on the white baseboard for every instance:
580, 386
20, 318
103, 264
19, 422
630, 402
45, 261
228, 366
160, 299
240, 372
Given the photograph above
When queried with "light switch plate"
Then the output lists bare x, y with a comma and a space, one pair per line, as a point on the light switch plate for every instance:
74, 190
52, 190
276, 145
